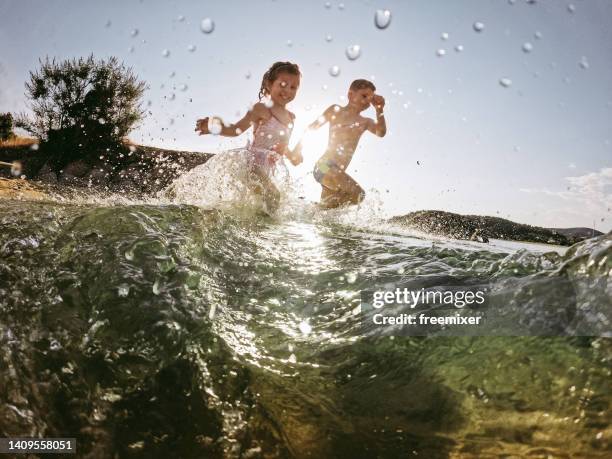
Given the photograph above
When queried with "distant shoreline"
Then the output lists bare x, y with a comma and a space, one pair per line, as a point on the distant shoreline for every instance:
482, 228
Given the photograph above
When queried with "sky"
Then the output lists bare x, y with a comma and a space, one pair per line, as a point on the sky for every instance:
514, 120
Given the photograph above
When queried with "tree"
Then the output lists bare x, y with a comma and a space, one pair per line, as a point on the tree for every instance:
81, 106
6, 126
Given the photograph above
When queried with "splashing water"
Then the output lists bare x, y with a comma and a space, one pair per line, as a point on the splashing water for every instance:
189, 325
182, 331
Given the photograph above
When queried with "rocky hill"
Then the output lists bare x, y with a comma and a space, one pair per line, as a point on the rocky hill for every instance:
482, 228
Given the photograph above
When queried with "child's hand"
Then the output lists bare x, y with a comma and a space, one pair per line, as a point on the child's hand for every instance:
378, 102
294, 156
202, 126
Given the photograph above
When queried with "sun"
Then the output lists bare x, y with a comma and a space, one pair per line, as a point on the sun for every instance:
314, 142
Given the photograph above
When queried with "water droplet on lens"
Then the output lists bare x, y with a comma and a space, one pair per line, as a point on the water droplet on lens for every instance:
538, 35
191, 48
444, 36
183, 87
181, 18
328, 38
584, 63
334, 70
353, 52
289, 43
207, 25
166, 53
382, 18
215, 125
571, 8
108, 24
459, 48
341, 6
247, 75
527, 47
478, 26
441, 53
505, 82
328, 5
134, 32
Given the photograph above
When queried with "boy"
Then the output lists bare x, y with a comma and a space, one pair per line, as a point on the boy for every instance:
346, 125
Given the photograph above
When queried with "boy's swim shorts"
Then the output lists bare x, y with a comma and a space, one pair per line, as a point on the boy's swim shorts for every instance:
324, 167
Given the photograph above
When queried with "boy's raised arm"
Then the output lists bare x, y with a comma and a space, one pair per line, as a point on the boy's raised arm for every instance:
324, 118
378, 127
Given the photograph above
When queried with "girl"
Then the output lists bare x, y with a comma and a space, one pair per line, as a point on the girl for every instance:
272, 124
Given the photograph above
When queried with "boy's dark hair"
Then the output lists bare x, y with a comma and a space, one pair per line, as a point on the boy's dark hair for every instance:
362, 84
273, 72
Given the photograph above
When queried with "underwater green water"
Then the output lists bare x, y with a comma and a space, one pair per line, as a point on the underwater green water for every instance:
172, 331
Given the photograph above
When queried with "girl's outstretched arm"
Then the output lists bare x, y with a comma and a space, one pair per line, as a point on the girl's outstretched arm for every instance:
232, 130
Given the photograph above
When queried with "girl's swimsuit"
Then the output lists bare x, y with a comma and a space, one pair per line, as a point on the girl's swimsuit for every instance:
270, 134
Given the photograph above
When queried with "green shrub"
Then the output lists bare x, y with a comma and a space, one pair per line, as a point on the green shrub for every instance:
82, 106
6, 126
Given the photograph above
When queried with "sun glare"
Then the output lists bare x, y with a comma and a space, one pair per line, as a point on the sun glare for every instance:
314, 142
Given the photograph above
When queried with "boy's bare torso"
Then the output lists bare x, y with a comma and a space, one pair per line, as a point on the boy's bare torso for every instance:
345, 130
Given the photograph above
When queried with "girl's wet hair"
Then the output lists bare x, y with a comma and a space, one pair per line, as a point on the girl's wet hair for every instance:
273, 72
